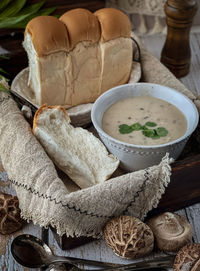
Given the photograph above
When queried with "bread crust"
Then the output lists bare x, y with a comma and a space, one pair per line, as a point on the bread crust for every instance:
49, 35
45, 107
82, 25
114, 24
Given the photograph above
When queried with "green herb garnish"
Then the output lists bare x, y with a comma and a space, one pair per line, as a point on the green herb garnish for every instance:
144, 127
125, 129
155, 136
155, 133
148, 133
136, 126
161, 131
150, 124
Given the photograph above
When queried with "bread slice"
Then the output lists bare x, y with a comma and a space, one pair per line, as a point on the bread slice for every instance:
76, 151
46, 43
115, 48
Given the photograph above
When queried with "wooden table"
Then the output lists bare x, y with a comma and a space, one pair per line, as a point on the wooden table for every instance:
98, 249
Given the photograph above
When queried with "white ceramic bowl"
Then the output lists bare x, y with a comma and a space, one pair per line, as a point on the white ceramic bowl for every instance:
135, 157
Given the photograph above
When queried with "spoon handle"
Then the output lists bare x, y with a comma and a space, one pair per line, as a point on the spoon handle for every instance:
151, 264
77, 262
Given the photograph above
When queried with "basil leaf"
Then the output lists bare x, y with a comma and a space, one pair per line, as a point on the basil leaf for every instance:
161, 131
136, 126
125, 129
148, 133
144, 127
155, 136
152, 133
150, 124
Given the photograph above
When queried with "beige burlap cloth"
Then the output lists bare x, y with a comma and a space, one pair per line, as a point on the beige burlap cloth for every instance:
47, 200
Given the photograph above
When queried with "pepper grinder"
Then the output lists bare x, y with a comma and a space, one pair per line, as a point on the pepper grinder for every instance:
176, 52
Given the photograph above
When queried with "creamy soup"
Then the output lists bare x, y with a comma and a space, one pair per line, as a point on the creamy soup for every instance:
144, 120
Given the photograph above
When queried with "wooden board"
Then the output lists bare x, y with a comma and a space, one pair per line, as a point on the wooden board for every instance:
184, 188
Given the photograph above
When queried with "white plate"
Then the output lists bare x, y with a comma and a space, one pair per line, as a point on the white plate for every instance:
80, 115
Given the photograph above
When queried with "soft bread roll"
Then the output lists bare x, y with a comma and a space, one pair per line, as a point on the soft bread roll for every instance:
75, 59
48, 35
114, 24
85, 62
82, 25
116, 47
46, 42
76, 151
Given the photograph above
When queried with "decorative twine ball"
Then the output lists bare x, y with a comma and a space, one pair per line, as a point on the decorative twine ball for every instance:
171, 231
10, 220
188, 258
129, 237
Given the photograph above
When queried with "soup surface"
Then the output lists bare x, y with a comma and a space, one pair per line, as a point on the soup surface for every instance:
144, 120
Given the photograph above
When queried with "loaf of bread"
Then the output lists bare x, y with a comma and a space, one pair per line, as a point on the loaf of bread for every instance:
74, 59
76, 151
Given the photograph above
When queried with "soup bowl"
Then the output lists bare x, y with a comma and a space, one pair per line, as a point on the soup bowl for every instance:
134, 157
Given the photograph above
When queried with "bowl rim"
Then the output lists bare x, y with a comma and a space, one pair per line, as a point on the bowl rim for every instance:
168, 144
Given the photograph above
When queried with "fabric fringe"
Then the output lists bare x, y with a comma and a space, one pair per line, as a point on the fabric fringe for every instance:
159, 177
160, 182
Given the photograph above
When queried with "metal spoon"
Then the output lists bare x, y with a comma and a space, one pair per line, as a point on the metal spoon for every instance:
30, 251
